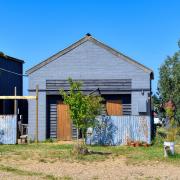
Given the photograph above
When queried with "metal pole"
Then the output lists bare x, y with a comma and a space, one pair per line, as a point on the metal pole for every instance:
37, 88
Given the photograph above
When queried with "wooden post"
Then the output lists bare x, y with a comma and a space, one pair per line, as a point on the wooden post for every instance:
15, 113
15, 98
37, 88
15, 101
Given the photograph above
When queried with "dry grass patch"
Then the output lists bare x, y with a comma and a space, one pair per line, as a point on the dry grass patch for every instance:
55, 161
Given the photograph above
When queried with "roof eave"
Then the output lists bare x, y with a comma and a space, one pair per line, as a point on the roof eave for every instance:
12, 59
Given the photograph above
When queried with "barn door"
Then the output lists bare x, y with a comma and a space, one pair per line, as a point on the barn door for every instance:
114, 107
64, 126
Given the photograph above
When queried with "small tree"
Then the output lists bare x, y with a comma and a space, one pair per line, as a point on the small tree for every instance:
172, 127
83, 108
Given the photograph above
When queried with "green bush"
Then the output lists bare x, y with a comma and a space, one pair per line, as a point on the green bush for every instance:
161, 134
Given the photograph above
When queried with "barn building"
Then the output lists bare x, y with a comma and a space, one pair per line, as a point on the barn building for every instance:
124, 83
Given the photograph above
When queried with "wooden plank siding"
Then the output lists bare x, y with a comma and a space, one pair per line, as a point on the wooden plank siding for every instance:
126, 109
88, 61
105, 86
51, 130
53, 120
114, 108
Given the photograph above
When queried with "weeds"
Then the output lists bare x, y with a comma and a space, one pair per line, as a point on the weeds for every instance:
20, 172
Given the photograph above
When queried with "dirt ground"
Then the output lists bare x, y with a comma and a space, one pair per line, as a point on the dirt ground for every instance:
118, 168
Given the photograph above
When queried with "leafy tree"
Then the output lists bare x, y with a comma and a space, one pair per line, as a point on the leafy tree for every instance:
156, 102
169, 82
93, 108
83, 108
158, 107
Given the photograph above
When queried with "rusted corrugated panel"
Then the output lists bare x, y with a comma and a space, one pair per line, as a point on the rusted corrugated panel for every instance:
117, 130
8, 129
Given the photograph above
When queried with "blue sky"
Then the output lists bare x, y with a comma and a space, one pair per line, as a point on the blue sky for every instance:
33, 30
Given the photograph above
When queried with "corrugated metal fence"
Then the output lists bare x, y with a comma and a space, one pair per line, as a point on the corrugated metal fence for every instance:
117, 130
8, 129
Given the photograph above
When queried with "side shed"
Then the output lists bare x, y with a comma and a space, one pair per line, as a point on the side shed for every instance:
11, 70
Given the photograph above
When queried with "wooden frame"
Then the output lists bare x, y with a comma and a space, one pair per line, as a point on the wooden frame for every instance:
30, 98
17, 97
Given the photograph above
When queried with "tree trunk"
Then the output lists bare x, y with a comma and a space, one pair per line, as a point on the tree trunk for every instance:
83, 136
77, 130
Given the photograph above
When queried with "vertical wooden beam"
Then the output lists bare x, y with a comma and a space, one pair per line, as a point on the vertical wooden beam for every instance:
15, 113
37, 93
15, 101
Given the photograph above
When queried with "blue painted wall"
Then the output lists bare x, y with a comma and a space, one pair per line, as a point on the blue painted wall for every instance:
8, 81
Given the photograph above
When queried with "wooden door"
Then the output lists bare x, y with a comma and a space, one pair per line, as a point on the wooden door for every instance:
114, 107
64, 126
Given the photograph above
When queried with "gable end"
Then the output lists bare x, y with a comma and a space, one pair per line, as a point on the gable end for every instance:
98, 43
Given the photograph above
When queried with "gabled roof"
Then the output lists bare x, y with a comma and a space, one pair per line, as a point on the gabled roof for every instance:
88, 37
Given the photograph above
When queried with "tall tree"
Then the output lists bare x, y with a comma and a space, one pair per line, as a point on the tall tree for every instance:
169, 82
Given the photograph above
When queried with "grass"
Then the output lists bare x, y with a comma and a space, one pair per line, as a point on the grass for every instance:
53, 152
20, 172
12, 157
140, 154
